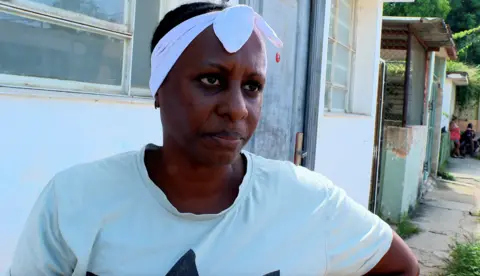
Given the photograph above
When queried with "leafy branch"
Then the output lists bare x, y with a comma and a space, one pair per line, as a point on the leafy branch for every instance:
463, 34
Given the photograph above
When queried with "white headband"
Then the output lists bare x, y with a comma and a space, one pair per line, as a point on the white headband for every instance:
233, 26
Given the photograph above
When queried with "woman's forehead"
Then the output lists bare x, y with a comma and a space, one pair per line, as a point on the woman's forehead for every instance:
206, 48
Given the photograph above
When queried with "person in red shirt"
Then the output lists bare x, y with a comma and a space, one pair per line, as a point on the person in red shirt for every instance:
455, 137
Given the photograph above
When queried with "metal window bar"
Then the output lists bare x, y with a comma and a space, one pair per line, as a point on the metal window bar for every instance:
68, 19
352, 52
394, 87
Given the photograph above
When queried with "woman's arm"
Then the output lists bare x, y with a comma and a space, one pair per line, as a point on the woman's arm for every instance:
360, 243
399, 260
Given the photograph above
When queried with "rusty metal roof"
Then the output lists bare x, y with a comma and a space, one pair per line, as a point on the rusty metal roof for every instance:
432, 33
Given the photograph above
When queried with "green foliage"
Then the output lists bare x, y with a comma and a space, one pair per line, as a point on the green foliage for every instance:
420, 8
466, 32
446, 175
464, 20
464, 258
467, 96
396, 69
463, 15
406, 228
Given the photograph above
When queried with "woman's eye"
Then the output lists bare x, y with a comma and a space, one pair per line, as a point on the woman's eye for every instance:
252, 87
210, 81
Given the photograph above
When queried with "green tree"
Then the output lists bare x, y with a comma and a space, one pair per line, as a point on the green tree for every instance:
464, 20
465, 14
420, 8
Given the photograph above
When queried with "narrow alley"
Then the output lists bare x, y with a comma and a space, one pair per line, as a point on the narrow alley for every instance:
447, 213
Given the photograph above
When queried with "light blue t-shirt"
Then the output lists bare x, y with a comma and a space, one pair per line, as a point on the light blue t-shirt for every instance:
109, 218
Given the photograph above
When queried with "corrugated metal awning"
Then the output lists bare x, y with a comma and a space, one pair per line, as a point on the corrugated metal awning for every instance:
432, 33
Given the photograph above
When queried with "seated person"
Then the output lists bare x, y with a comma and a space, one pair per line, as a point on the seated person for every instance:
468, 142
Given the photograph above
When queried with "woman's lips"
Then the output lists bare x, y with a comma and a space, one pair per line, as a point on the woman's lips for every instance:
226, 140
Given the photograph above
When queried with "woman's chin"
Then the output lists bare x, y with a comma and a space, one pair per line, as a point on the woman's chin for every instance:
219, 158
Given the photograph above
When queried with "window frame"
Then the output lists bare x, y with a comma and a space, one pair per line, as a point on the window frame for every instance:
44, 13
332, 40
125, 32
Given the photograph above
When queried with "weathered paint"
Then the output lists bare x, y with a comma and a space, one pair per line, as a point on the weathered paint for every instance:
402, 169
283, 100
392, 185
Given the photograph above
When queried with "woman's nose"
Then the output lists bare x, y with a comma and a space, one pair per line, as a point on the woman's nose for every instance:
233, 104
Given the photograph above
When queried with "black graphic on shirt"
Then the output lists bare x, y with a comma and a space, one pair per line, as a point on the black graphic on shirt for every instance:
187, 266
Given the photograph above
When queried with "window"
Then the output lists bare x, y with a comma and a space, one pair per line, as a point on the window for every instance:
78, 45
341, 55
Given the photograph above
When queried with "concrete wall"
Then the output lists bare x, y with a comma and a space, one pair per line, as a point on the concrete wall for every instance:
440, 72
448, 103
468, 115
345, 141
437, 133
417, 85
48, 134
402, 169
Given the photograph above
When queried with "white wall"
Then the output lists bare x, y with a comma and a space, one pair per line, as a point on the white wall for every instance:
345, 141
43, 135
448, 102
453, 101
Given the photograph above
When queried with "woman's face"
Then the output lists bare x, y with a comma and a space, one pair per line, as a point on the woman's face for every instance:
211, 100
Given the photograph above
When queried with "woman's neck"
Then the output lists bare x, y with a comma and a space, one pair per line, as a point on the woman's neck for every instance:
192, 187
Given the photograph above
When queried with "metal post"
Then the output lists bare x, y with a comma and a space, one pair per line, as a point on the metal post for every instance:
408, 77
318, 41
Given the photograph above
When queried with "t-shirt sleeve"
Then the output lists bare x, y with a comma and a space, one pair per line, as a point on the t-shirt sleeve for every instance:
356, 239
41, 249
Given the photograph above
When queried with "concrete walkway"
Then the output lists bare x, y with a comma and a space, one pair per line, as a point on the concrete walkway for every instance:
445, 214
466, 168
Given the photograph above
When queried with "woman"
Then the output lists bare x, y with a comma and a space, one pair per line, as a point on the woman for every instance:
198, 205
455, 137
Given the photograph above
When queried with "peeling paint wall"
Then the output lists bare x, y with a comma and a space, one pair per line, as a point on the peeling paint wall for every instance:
402, 169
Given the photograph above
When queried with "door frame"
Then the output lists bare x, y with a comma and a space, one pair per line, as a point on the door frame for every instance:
378, 139
318, 44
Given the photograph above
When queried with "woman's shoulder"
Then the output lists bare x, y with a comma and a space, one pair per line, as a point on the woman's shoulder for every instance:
288, 176
108, 176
